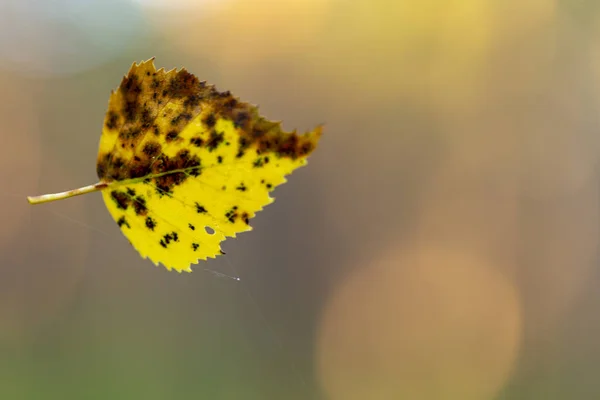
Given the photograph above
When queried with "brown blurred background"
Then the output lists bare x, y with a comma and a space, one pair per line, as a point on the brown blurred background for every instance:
440, 244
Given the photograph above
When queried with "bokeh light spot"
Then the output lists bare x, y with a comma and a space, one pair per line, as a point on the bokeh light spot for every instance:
424, 323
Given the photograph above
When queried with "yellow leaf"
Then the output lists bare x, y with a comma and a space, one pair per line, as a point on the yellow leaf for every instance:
183, 166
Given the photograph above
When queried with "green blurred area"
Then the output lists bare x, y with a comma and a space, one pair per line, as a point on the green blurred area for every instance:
440, 244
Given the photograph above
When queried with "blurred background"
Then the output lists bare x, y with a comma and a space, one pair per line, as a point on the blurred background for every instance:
440, 244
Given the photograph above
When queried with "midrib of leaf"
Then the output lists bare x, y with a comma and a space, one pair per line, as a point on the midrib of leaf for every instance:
132, 181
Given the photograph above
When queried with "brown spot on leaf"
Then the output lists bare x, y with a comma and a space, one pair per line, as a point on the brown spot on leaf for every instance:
146, 118
259, 162
200, 209
130, 89
139, 205
121, 199
129, 134
150, 223
231, 102
192, 101
289, 147
180, 167
168, 238
210, 120
151, 149
116, 169
215, 139
241, 120
102, 166
231, 215
197, 141
122, 221
185, 117
183, 84
118, 162
171, 135
195, 172
112, 119
140, 168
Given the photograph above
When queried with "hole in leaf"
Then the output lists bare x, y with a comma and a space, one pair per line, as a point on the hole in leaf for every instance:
209, 230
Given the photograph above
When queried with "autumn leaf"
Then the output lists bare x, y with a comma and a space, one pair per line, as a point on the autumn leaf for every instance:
183, 166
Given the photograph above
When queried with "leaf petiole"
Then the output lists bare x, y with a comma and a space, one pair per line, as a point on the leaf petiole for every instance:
65, 195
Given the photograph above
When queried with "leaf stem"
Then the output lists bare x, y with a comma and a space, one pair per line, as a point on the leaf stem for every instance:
46, 198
